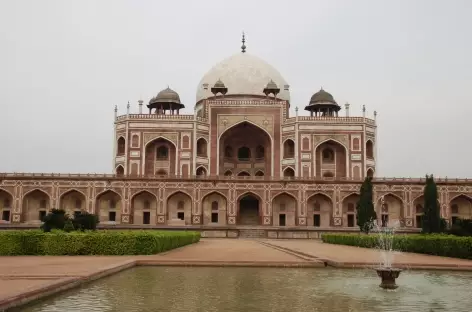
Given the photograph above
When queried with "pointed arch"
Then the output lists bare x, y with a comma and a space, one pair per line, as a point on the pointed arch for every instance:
249, 208
461, 195
228, 173
270, 159
289, 172
201, 171
331, 152
259, 173
391, 212
143, 207
202, 147
214, 206
36, 204
320, 193
119, 171
6, 205
284, 209
369, 149
179, 207
391, 194
73, 201
350, 194
149, 154
6, 191
288, 148
320, 208
108, 206
120, 146
370, 172
243, 173
330, 139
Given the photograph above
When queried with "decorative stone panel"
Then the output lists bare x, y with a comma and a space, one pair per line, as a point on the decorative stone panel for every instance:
337, 221
161, 219
196, 219
231, 220
266, 220
301, 221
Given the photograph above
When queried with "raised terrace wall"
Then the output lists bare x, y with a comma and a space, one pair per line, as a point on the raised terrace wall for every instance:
212, 201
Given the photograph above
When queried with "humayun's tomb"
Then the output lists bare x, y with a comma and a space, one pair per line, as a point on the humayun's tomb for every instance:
240, 161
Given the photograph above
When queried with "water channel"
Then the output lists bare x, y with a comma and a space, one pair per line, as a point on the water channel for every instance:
212, 289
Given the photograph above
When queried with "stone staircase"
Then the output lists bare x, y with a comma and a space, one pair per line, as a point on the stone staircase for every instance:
252, 233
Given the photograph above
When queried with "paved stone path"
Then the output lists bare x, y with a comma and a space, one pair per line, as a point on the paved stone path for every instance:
26, 278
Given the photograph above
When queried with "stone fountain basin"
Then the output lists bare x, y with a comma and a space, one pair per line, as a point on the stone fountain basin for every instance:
388, 277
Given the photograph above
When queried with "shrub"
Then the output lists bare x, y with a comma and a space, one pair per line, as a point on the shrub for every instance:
55, 219
140, 242
85, 221
433, 244
461, 227
68, 226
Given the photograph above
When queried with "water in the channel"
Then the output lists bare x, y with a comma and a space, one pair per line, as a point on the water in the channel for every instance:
203, 289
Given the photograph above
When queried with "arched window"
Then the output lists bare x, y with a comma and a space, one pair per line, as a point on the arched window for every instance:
120, 171
356, 144
78, 204
135, 140
288, 172
201, 171
228, 152
120, 146
180, 205
201, 147
228, 173
147, 204
369, 149
289, 149
214, 205
370, 173
328, 155
243, 174
305, 144
259, 173
185, 141
162, 153
260, 152
244, 153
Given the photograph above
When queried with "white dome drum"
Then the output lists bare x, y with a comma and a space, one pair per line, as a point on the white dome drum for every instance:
242, 74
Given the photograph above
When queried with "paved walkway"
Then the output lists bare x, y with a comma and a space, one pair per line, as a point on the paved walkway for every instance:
26, 278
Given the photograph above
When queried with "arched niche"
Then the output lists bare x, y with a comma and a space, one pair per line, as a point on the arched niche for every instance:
179, 208
289, 172
73, 202
214, 207
6, 205
331, 157
243, 174
202, 148
108, 207
160, 154
349, 210
120, 146
120, 171
370, 173
245, 143
319, 210
143, 208
392, 210
369, 149
418, 211
460, 208
289, 148
36, 205
284, 210
201, 171
249, 209
259, 173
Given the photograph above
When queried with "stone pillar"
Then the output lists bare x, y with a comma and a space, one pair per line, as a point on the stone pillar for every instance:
161, 206
197, 207
17, 204
266, 208
301, 208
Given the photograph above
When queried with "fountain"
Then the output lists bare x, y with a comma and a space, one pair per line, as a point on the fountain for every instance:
386, 233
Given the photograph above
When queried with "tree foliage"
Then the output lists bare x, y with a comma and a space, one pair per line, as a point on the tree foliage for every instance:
365, 207
431, 213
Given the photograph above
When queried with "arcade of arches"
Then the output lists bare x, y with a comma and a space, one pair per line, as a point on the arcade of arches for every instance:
245, 145
178, 207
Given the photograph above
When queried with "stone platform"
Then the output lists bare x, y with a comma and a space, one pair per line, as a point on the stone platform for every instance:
23, 279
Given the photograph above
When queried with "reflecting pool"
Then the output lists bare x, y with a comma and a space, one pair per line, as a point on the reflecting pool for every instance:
264, 289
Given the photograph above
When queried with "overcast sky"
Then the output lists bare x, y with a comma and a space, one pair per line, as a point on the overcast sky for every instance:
64, 65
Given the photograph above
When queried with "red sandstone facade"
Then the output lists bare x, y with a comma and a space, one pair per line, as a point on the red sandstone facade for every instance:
240, 159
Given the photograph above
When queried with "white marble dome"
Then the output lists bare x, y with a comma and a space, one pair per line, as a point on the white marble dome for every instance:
243, 74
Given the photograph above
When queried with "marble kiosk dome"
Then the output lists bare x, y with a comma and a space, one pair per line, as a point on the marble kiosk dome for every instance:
243, 74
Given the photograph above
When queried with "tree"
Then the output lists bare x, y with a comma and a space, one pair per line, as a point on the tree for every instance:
85, 221
365, 207
431, 214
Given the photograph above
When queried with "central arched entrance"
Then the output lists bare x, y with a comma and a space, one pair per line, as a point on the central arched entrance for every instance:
249, 207
247, 146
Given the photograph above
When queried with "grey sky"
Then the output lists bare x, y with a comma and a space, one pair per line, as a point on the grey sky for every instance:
65, 64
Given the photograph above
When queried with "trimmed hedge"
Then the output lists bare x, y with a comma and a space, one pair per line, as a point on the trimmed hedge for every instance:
140, 242
432, 244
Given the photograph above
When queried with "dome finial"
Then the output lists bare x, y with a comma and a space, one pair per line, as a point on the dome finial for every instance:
243, 47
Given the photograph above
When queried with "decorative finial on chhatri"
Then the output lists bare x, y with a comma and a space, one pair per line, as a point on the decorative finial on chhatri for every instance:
116, 108
128, 105
363, 108
243, 47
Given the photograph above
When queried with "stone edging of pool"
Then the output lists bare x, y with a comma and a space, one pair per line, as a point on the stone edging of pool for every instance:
69, 282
